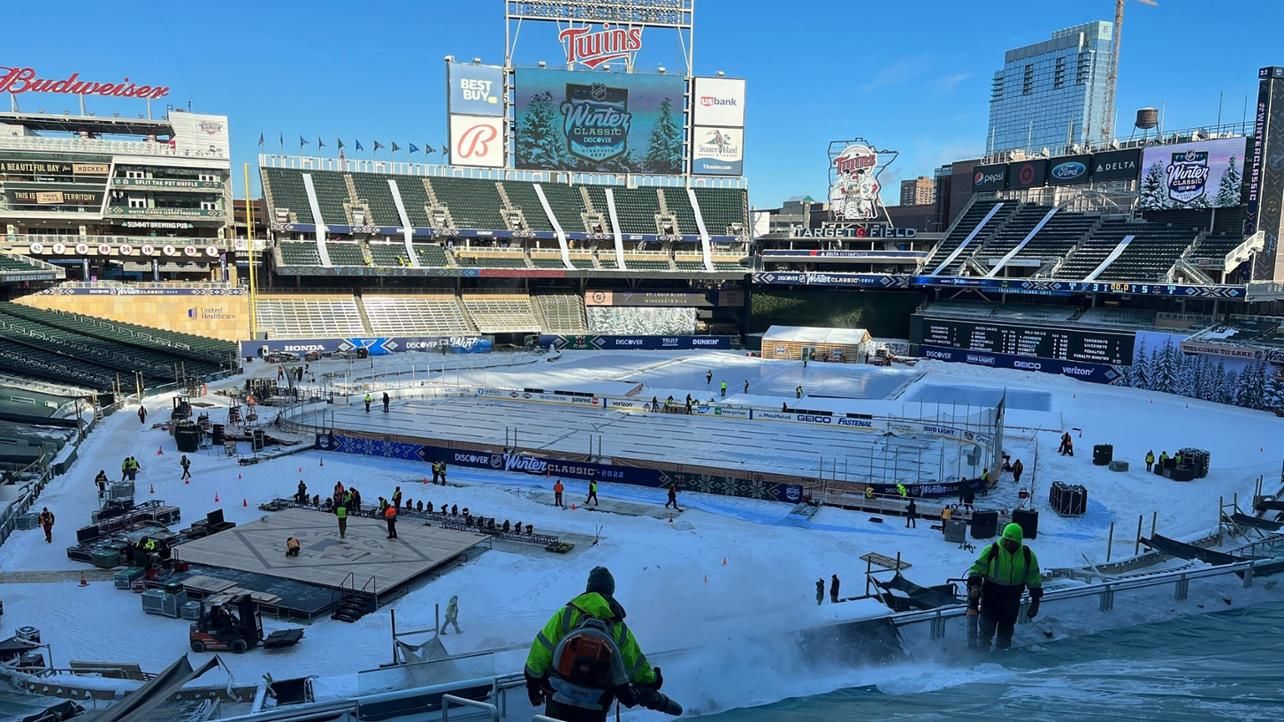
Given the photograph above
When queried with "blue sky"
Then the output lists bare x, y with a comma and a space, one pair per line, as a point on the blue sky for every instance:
910, 76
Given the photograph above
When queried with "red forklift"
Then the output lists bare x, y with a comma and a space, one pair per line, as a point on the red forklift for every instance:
237, 626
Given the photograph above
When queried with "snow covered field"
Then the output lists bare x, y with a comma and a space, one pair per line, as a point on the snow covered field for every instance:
724, 567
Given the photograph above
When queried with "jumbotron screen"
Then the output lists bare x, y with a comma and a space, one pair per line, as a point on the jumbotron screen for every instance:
1084, 346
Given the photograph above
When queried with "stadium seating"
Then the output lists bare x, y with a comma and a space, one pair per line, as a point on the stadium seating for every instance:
1151, 253
597, 195
415, 198
964, 226
345, 254
582, 259
1214, 247
730, 263
1129, 317
955, 307
388, 254
332, 193
521, 195
567, 205
1012, 233
636, 209
418, 315
432, 255
1058, 236
618, 320
373, 189
487, 258
285, 190
547, 259
647, 262
1092, 251
722, 207
688, 262
1033, 312
562, 312
319, 316
502, 313
606, 259
474, 203
15, 263
676, 200
299, 253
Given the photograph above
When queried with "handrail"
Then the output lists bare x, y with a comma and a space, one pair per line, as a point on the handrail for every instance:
449, 699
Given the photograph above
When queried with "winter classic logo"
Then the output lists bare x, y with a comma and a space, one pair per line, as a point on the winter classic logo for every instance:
596, 119
1187, 175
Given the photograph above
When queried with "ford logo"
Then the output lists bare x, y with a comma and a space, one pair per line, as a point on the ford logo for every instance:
1069, 170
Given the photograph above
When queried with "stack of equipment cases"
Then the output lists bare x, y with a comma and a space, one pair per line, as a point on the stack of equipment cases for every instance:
1068, 500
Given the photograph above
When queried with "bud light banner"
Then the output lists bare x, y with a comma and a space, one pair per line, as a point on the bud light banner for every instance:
1203, 174
618, 123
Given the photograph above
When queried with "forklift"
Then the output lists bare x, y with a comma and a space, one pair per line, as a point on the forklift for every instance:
237, 626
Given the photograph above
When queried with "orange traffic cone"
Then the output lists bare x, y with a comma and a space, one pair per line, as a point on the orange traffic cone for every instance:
300, 469
323, 462
187, 482
706, 579
159, 451
152, 489
572, 506
244, 501
238, 477
83, 582
724, 561
216, 497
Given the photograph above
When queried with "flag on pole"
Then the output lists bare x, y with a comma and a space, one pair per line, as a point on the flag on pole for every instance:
260, 139
302, 142
280, 140
395, 147
377, 146
429, 149
414, 148
359, 146
340, 143
320, 143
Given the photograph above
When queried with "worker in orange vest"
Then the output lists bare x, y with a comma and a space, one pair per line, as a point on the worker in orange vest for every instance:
557, 493
390, 516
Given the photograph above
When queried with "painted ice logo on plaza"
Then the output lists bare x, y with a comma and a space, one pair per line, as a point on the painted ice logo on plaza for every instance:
596, 120
1187, 175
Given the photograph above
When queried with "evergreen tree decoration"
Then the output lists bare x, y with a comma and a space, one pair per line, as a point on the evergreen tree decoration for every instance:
665, 153
1228, 190
541, 142
1152, 195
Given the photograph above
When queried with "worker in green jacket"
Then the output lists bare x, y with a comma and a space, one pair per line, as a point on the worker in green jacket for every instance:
586, 657
995, 583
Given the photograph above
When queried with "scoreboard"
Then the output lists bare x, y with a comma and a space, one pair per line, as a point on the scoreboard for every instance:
1024, 339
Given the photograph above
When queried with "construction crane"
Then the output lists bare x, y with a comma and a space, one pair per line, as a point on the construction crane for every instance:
1112, 78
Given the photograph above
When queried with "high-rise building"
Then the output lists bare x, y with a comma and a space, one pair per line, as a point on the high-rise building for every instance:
920, 191
1052, 94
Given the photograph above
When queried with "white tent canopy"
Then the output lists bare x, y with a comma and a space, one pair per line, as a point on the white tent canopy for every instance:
815, 335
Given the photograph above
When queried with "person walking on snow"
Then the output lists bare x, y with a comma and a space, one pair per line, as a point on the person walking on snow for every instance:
396, 496
46, 520
368, 400
386, 400
341, 513
101, 481
1017, 470
452, 616
798, 391
673, 496
820, 592
995, 583
301, 495
723, 387
1150, 459
833, 589
186, 463
134, 468
390, 516
142, 414
911, 515
746, 386
124, 468
592, 493
708, 377
557, 493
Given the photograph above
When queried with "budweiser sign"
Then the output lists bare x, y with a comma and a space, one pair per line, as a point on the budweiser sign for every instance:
592, 48
24, 80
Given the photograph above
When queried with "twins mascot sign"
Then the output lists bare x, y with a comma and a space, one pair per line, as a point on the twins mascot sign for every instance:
854, 187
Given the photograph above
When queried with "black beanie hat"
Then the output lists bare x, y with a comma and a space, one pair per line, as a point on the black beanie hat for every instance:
601, 581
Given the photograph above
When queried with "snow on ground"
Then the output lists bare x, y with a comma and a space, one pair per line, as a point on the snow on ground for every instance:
671, 578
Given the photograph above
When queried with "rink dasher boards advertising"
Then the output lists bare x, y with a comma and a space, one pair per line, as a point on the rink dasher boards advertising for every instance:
374, 345
752, 485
